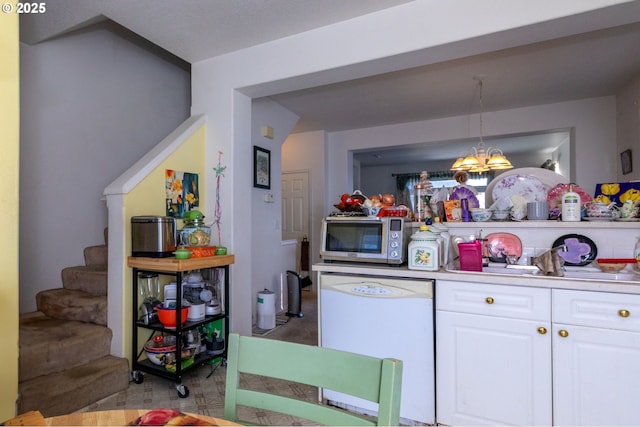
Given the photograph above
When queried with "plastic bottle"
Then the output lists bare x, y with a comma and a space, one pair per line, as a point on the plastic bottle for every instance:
636, 252
571, 205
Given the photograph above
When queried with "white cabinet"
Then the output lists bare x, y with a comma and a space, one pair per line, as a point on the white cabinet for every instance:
493, 354
596, 358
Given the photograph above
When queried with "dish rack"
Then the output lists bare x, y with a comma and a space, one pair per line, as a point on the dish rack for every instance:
176, 268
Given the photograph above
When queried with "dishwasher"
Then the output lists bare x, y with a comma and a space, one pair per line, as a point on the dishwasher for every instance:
382, 317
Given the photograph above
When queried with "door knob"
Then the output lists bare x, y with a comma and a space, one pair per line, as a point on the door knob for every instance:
563, 333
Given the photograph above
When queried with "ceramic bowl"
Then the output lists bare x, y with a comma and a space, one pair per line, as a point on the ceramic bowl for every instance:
501, 215
182, 253
159, 355
372, 211
480, 215
608, 265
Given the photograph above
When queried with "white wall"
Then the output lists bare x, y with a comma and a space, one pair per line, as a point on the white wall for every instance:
306, 152
412, 34
628, 136
593, 120
268, 254
92, 103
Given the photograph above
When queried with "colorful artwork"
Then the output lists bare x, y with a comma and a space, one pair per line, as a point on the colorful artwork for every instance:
181, 192
618, 192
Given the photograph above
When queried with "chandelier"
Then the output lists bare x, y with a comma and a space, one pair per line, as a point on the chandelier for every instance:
480, 158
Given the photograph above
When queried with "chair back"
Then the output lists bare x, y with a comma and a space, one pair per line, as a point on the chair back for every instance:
366, 377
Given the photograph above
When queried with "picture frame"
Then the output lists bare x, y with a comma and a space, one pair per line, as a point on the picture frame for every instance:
261, 167
625, 162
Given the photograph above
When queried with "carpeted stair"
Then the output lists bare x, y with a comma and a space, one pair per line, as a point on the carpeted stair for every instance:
65, 360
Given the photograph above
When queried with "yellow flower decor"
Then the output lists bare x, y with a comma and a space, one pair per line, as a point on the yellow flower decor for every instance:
617, 192
610, 189
632, 194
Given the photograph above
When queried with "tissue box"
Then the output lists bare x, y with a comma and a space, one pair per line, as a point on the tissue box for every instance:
617, 192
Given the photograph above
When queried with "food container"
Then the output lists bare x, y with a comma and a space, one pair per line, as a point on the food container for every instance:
195, 233
201, 252
613, 265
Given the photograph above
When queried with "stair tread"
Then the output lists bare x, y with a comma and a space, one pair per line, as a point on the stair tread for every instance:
71, 304
67, 391
91, 279
49, 345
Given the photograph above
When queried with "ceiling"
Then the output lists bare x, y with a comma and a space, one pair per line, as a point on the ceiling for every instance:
587, 65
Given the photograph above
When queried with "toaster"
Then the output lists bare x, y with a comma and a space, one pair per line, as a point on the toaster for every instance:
153, 236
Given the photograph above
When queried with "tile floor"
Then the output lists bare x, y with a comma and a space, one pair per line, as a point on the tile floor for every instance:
207, 383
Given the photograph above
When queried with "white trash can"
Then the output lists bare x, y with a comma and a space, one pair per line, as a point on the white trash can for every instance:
266, 309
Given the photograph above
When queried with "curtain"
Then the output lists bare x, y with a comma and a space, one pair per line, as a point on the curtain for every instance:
406, 181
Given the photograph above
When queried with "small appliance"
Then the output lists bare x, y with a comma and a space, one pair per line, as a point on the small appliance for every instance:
358, 238
153, 236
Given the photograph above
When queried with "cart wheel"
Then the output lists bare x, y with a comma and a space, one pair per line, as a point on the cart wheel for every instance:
138, 377
183, 391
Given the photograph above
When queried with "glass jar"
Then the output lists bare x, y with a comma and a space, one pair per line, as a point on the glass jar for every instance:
195, 233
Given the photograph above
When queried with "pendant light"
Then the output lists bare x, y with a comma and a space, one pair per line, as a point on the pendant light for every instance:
480, 158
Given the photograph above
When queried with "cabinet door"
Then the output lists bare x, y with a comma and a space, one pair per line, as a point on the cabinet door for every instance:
492, 370
596, 376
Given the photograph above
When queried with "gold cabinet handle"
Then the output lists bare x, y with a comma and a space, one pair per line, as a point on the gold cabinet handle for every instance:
563, 333
489, 300
542, 330
624, 313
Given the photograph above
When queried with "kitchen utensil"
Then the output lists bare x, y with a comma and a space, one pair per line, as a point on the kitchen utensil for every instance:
167, 316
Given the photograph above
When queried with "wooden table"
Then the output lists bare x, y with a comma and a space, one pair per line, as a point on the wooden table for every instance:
120, 417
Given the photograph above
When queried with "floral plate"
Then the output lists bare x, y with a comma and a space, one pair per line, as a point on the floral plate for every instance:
527, 186
554, 198
462, 192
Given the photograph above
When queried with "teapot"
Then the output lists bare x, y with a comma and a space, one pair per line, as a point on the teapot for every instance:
600, 209
629, 209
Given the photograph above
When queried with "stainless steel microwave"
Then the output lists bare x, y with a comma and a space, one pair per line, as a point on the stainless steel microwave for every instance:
365, 239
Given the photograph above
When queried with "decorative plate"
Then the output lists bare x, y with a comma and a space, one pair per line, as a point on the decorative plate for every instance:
499, 245
527, 186
464, 193
554, 198
581, 250
547, 177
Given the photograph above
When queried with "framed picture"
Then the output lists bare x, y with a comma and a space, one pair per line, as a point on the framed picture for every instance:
261, 168
625, 161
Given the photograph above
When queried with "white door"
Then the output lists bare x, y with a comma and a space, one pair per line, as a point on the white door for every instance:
596, 376
295, 208
492, 370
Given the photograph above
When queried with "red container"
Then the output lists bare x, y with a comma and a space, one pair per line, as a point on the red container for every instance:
167, 316
470, 256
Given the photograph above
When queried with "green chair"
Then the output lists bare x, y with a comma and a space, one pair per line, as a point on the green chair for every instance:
366, 377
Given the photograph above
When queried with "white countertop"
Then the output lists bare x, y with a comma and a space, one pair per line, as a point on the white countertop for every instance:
598, 285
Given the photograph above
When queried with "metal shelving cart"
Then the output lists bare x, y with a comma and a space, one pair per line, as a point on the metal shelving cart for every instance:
176, 268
